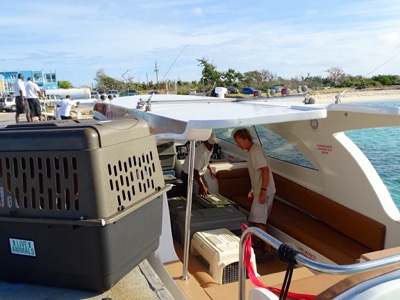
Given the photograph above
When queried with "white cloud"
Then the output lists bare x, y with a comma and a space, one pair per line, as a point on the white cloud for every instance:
197, 11
77, 38
390, 38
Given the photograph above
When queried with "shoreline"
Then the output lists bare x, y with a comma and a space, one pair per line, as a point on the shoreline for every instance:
359, 96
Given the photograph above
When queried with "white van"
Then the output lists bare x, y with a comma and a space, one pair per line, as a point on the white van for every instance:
114, 93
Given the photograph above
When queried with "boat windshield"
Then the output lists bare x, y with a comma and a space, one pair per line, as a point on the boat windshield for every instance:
276, 146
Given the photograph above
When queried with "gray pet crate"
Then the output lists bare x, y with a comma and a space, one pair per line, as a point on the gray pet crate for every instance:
208, 218
79, 201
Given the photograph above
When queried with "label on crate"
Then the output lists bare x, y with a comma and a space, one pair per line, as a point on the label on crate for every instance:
215, 199
22, 247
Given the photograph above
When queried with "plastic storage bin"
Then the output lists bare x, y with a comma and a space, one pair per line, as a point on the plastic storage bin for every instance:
167, 154
177, 204
208, 218
214, 200
78, 201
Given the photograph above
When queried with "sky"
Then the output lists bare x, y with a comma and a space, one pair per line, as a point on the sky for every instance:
127, 38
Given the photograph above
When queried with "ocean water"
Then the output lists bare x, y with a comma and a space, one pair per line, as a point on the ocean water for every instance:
382, 147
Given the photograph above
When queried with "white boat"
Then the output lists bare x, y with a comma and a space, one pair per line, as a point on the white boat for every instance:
334, 210
332, 207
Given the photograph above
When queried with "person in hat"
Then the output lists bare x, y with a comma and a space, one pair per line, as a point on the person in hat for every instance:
203, 154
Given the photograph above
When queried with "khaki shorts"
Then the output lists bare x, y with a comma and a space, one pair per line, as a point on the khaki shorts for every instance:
259, 212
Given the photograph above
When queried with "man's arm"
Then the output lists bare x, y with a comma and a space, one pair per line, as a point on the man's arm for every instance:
264, 184
203, 188
41, 95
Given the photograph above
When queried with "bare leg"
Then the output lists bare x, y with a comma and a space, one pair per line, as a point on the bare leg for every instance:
263, 227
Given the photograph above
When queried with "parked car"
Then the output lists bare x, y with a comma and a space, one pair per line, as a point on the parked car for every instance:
153, 92
132, 93
192, 92
248, 91
233, 90
276, 88
7, 103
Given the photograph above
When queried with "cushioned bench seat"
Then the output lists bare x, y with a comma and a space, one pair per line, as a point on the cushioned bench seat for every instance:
235, 185
335, 231
315, 234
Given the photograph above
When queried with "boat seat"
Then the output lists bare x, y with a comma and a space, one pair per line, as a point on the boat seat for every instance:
235, 185
316, 234
337, 232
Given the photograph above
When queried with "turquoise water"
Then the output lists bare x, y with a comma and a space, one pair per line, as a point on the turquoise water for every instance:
382, 147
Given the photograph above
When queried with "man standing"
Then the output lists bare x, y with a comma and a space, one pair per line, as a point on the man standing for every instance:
32, 93
64, 107
20, 98
202, 157
262, 185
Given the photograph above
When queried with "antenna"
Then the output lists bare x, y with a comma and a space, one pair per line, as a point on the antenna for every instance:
174, 61
383, 64
156, 70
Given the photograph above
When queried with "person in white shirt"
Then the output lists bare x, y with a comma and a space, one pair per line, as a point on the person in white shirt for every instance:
32, 93
20, 98
65, 106
202, 157
262, 186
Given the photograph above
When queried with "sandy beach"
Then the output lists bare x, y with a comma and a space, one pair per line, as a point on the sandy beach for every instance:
352, 95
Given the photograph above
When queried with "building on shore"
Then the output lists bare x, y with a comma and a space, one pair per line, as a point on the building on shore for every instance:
45, 80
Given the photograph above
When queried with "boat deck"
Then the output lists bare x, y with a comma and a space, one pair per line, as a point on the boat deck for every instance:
141, 283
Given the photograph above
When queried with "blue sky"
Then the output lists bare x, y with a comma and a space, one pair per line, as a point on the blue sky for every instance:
289, 38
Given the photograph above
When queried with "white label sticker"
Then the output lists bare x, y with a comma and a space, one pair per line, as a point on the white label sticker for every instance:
22, 247
215, 199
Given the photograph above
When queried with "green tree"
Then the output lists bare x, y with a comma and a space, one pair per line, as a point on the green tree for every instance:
105, 82
253, 79
386, 79
210, 76
65, 84
231, 77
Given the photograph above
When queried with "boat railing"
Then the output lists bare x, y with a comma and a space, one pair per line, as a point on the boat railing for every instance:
303, 261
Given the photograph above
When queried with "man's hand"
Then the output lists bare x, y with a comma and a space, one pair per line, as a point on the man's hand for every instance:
262, 198
250, 196
204, 191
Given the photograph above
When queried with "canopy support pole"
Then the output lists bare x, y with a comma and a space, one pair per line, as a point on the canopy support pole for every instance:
189, 194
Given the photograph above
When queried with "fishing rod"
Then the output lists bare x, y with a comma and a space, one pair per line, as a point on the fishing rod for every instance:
383, 64
174, 62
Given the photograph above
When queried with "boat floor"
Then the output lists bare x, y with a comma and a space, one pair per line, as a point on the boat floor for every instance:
272, 273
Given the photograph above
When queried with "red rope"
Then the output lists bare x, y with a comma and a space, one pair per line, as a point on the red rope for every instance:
258, 283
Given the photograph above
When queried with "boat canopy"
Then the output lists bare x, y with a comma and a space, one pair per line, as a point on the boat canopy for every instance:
193, 117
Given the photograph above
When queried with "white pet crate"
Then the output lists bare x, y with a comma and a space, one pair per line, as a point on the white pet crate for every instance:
218, 250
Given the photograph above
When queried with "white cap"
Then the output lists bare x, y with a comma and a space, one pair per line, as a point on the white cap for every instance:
212, 139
